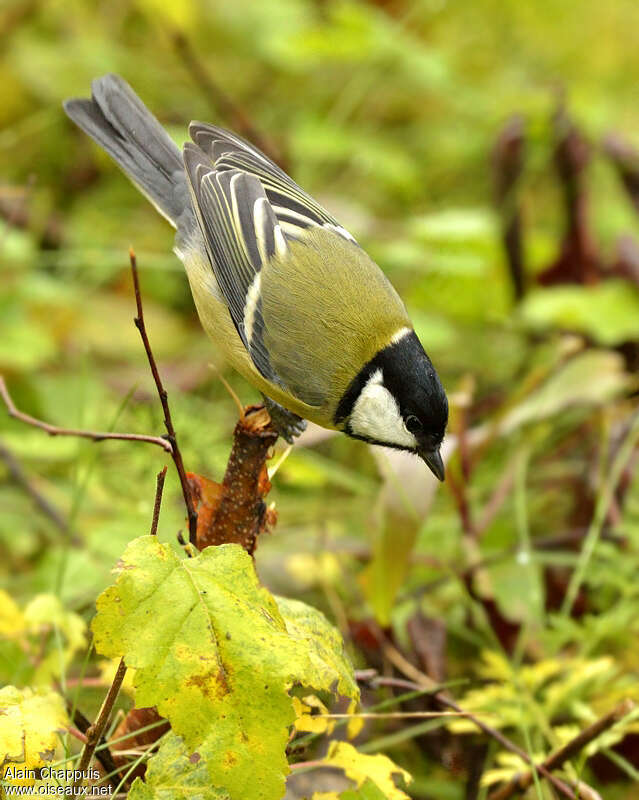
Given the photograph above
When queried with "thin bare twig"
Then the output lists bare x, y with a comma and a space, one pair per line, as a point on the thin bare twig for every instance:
423, 681
95, 731
96, 436
159, 488
102, 753
309, 764
519, 783
77, 734
176, 455
383, 680
237, 118
19, 475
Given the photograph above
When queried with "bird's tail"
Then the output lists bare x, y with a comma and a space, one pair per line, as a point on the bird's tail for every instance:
118, 120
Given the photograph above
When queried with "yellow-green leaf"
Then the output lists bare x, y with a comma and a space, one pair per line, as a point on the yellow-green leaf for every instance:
367, 791
216, 655
45, 613
46, 636
30, 722
175, 774
379, 769
572, 385
321, 647
11, 618
608, 312
306, 722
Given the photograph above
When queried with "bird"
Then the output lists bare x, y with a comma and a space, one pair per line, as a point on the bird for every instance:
289, 297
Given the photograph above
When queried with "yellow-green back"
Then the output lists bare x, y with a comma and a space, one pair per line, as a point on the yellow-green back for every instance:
328, 309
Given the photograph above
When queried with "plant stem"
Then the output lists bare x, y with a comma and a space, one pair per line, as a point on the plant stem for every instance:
94, 733
520, 782
176, 455
96, 436
159, 488
422, 680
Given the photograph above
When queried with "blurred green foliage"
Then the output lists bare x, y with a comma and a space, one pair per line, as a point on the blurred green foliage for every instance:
387, 112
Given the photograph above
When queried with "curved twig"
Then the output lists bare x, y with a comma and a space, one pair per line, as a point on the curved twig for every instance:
443, 698
520, 782
96, 436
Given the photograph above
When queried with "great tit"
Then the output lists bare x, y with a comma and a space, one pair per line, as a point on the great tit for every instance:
286, 293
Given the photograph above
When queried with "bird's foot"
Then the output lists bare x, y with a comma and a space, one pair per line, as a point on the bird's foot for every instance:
288, 424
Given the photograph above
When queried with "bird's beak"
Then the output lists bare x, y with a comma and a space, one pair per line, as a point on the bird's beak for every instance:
435, 464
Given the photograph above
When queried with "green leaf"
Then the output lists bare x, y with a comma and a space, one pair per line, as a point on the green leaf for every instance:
367, 791
383, 577
215, 655
25, 344
517, 587
463, 224
609, 312
46, 613
175, 774
321, 645
573, 385
402, 505
47, 638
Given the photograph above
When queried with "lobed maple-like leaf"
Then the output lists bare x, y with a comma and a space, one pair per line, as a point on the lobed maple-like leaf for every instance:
172, 775
217, 656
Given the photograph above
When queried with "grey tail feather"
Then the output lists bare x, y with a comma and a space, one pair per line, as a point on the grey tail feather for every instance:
118, 121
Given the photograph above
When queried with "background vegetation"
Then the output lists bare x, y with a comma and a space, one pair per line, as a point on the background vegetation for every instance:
518, 576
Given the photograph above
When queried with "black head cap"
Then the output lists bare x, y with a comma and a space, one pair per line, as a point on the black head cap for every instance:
408, 374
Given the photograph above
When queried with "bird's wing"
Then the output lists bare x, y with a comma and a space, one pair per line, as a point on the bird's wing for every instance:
294, 208
294, 280
241, 234
249, 211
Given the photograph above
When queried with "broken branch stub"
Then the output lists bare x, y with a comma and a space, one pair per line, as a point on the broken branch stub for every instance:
234, 510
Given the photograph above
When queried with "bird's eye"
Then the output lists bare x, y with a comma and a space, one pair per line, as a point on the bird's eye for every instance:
413, 424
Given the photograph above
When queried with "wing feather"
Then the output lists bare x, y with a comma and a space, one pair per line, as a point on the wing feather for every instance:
250, 212
239, 229
291, 204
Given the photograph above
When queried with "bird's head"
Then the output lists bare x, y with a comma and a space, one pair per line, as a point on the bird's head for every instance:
397, 400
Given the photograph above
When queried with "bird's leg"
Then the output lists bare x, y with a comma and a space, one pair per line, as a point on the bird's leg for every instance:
288, 424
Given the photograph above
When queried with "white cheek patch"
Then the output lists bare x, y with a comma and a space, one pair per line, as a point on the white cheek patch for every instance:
375, 415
